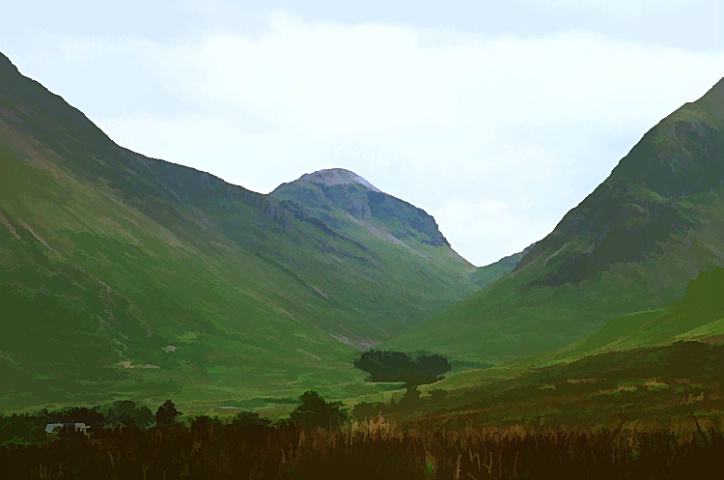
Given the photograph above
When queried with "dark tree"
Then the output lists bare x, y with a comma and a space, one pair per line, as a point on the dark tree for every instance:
89, 416
388, 366
315, 412
427, 368
247, 419
23, 429
365, 410
129, 413
166, 414
411, 399
438, 395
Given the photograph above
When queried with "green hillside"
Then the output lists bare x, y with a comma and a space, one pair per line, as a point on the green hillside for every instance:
641, 367
647, 360
123, 276
674, 384
699, 315
632, 245
487, 274
637, 369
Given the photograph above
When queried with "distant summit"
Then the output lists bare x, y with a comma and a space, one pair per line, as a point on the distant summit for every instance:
329, 194
337, 176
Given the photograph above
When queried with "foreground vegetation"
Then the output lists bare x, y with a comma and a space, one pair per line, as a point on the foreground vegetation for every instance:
250, 447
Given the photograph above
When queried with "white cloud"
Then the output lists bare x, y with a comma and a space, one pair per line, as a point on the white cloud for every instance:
475, 223
331, 79
446, 121
628, 8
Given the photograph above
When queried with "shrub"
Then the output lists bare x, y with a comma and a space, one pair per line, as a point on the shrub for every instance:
166, 414
314, 411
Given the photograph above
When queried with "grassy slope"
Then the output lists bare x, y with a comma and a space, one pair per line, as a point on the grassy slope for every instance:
696, 316
671, 383
635, 361
118, 287
107, 257
645, 368
632, 245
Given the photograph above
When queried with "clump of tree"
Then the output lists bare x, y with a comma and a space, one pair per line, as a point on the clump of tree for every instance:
314, 411
166, 414
246, 419
23, 429
129, 414
29, 429
390, 366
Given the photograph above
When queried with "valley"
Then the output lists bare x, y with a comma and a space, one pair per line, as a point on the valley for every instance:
124, 277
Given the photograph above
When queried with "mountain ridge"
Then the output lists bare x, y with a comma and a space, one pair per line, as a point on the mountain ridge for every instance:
630, 245
107, 257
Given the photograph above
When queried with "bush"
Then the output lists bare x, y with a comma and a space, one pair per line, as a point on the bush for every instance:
315, 412
129, 413
166, 414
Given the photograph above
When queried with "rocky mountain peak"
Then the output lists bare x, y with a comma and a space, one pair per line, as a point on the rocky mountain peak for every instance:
325, 192
337, 176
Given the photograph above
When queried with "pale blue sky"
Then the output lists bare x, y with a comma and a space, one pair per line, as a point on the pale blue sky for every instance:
495, 117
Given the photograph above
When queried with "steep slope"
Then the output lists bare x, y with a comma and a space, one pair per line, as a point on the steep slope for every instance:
416, 266
631, 245
125, 276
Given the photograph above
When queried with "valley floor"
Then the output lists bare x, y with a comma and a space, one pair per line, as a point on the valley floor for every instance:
647, 413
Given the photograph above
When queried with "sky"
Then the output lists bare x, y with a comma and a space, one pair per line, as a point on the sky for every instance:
495, 117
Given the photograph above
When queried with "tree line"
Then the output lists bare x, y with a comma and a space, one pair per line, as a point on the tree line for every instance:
30, 428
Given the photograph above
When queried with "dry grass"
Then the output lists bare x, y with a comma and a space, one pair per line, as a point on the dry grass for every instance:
379, 448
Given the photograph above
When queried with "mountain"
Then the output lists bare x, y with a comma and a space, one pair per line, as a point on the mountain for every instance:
633, 244
417, 269
123, 276
418, 272
345, 200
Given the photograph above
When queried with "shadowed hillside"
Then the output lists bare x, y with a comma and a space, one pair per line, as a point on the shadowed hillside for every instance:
130, 276
633, 244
